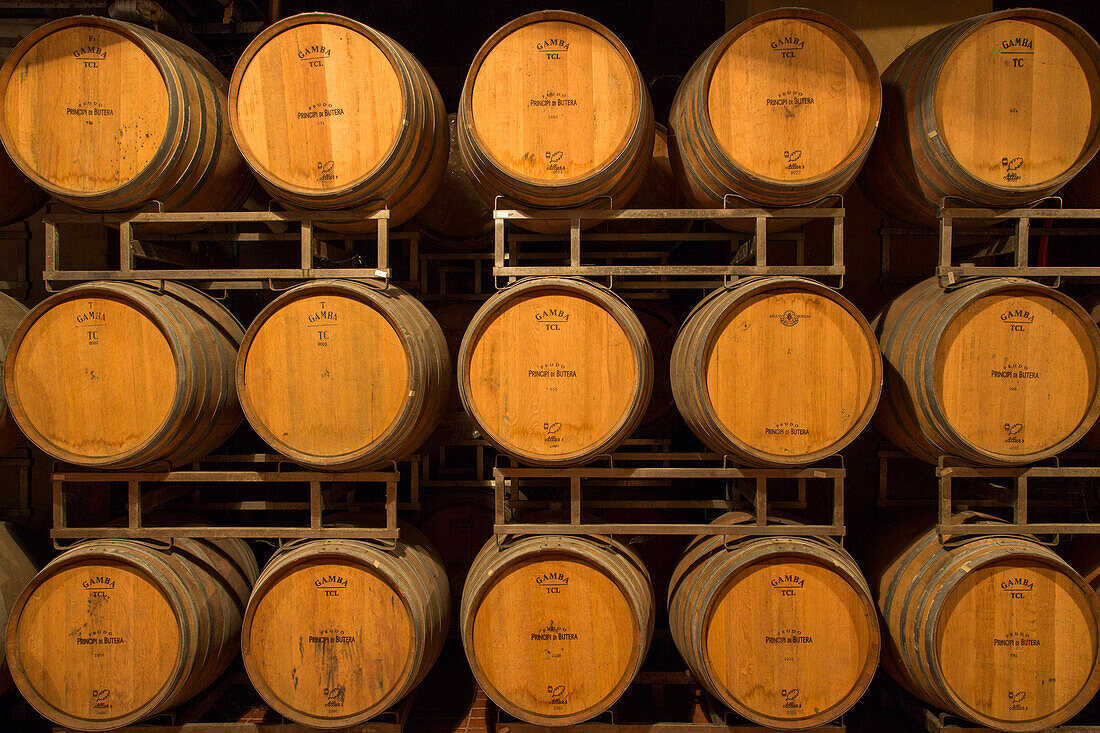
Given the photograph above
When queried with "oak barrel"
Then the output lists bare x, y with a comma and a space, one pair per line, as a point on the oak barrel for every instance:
998, 371
555, 371
968, 115
336, 631
783, 630
457, 522
16, 570
110, 116
781, 111
11, 313
556, 627
119, 375
332, 114
457, 215
776, 371
114, 631
342, 374
660, 327
554, 113
998, 630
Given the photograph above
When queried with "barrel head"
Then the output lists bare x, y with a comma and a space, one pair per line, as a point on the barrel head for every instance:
317, 104
324, 376
95, 644
329, 641
93, 378
85, 108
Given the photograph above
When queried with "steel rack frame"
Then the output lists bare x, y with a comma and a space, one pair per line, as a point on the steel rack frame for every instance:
170, 484
508, 484
955, 223
507, 252
1014, 495
131, 248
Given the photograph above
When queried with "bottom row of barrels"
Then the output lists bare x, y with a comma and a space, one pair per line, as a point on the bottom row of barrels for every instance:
783, 630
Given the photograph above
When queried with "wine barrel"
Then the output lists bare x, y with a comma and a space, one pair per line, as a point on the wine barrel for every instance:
336, 631
554, 113
776, 371
457, 216
660, 329
1091, 304
556, 627
457, 522
781, 629
119, 375
114, 631
16, 570
998, 371
555, 371
332, 114
109, 116
781, 111
454, 318
19, 198
967, 115
998, 630
11, 313
308, 391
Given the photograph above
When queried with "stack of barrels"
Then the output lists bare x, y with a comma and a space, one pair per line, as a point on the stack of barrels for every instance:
334, 118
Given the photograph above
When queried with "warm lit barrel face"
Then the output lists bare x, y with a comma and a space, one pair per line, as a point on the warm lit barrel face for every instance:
1015, 102
551, 374
86, 110
1015, 372
553, 102
93, 377
554, 636
96, 641
324, 376
319, 107
787, 638
328, 639
790, 372
790, 99
1016, 641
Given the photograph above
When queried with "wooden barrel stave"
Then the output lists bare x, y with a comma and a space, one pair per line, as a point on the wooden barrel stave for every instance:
406, 123
782, 432
543, 405
914, 166
197, 594
509, 646
396, 401
17, 567
382, 652
703, 123
11, 313
194, 165
698, 589
186, 343
568, 180
926, 589
925, 414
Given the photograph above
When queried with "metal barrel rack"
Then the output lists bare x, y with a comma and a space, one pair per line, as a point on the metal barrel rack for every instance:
969, 238
750, 259
156, 255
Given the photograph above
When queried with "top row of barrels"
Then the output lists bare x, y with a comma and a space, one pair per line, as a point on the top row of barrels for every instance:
330, 114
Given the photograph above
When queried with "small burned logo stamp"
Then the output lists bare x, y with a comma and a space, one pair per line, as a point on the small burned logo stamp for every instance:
1011, 165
